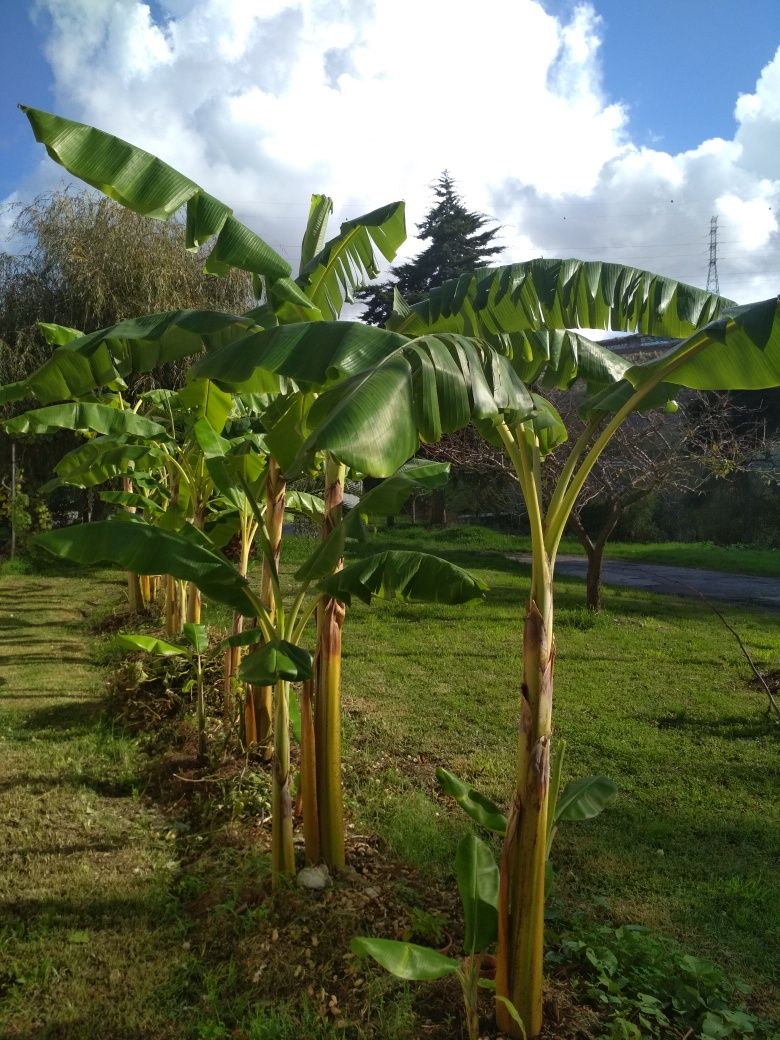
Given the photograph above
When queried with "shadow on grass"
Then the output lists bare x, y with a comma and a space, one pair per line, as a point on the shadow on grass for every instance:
53, 913
32, 695
65, 850
75, 1029
14, 659
105, 786
74, 717
735, 727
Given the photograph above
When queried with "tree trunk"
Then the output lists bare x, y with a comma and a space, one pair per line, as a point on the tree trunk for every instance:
311, 823
134, 595
13, 499
201, 711
594, 550
327, 704
194, 599
439, 508
520, 958
258, 706
146, 591
282, 850
173, 607
232, 660
593, 581
193, 604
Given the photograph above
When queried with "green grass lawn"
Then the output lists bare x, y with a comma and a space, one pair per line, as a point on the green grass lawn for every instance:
90, 939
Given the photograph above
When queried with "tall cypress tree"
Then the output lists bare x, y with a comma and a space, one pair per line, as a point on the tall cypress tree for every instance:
459, 241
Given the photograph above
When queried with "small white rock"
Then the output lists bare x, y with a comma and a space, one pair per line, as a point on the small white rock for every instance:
314, 877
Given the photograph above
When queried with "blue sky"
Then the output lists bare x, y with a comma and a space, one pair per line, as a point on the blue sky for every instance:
576, 119
26, 75
680, 64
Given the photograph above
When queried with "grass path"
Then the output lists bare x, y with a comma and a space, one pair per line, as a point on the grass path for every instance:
90, 940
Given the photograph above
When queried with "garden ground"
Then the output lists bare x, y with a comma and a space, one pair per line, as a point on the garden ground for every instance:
134, 906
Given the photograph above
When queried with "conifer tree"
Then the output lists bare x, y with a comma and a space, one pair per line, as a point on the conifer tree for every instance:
459, 241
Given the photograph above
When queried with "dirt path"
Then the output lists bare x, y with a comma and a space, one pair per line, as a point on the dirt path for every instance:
89, 937
744, 589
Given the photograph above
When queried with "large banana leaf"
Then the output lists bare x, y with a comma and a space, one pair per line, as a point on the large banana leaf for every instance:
278, 659
556, 357
132, 500
740, 350
560, 294
285, 423
58, 335
387, 498
149, 186
398, 391
310, 353
375, 420
135, 345
304, 504
545, 426
202, 399
229, 471
347, 261
400, 574
85, 416
104, 457
142, 549
583, 799
477, 805
149, 645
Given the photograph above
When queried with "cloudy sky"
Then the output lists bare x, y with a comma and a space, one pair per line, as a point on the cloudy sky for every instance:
603, 129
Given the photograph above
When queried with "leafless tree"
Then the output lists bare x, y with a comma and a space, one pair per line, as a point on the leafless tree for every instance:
708, 437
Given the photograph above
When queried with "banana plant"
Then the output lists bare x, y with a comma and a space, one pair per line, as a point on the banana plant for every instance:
724, 347
282, 657
429, 386
161, 445
329, 273
479, 886
477, 878
111, 423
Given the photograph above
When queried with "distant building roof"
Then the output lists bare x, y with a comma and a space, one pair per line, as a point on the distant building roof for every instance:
634, 343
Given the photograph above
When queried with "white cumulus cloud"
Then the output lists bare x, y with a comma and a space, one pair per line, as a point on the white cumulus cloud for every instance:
266, 101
